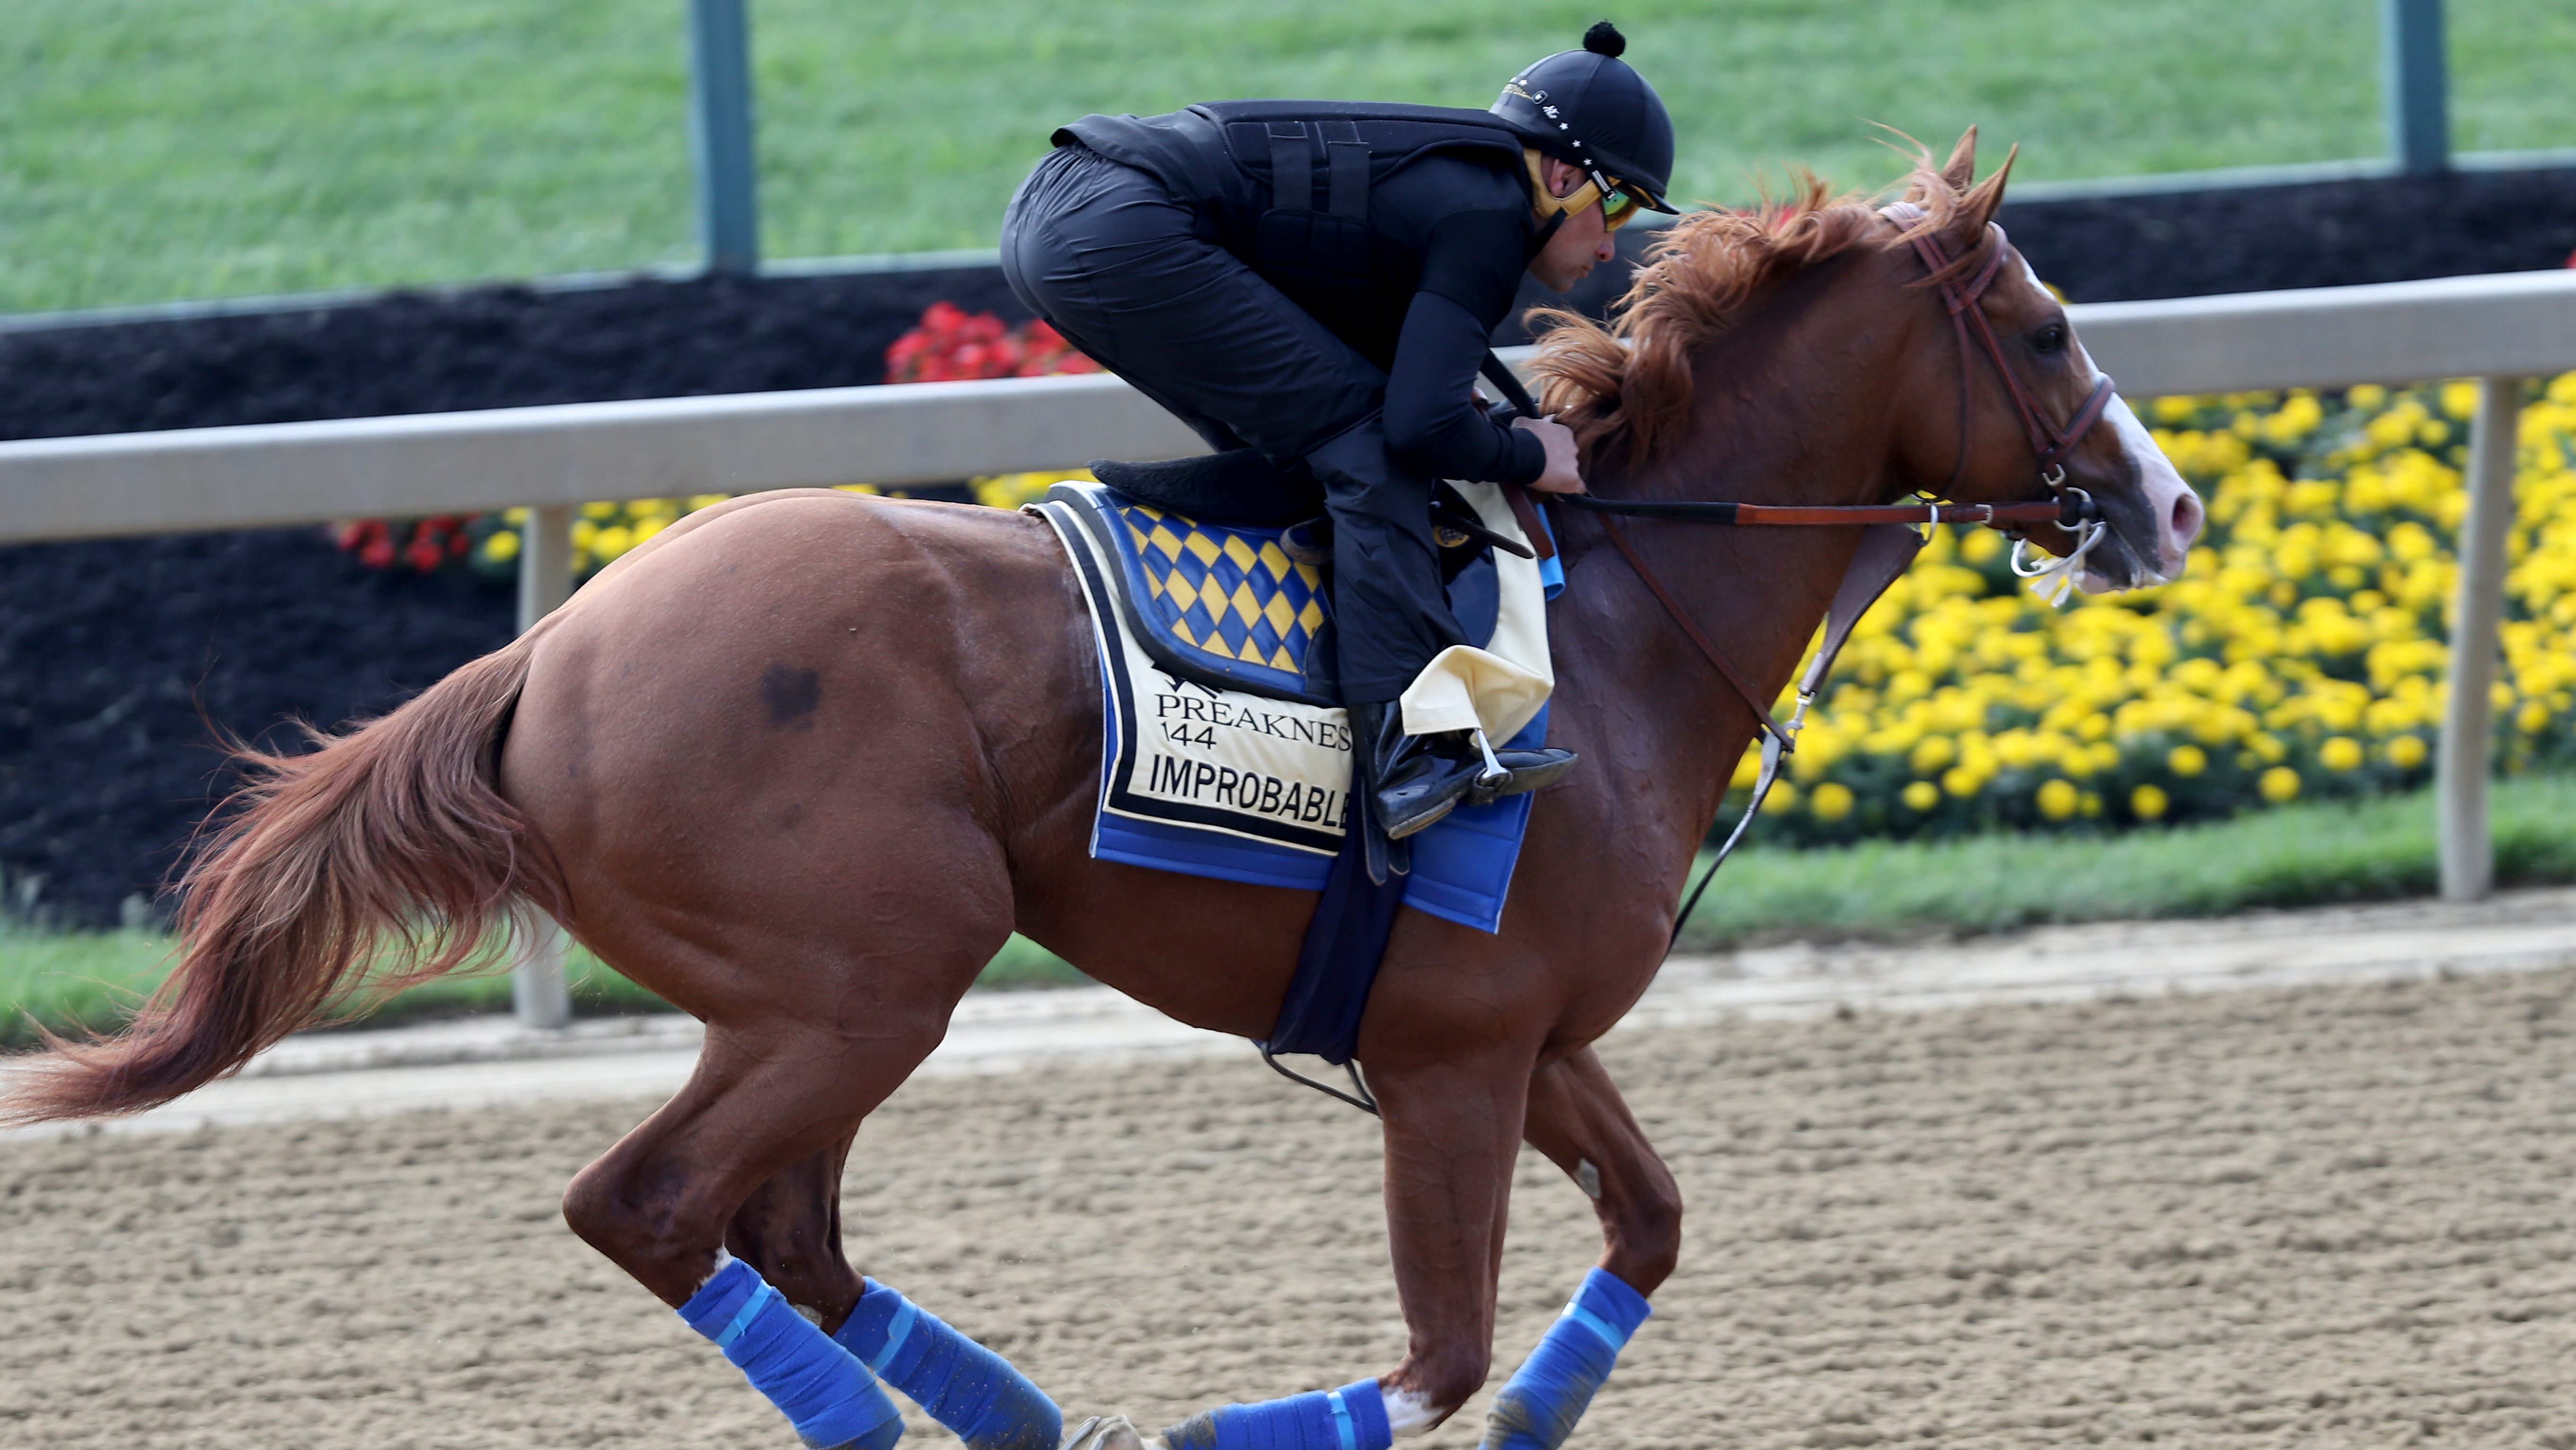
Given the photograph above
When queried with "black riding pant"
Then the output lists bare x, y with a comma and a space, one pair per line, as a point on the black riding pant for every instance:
1129, 275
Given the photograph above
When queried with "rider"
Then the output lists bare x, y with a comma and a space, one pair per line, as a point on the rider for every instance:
1319, 280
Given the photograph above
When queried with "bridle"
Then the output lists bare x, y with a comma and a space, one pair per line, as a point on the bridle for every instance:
1885, 552
2051, 445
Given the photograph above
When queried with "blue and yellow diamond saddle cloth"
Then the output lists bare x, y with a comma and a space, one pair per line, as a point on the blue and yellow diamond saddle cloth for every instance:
1225, 749
1246, 605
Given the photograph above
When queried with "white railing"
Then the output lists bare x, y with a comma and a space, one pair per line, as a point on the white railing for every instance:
2499, 329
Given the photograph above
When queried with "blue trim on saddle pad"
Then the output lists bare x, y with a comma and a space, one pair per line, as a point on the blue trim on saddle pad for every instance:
1462, 865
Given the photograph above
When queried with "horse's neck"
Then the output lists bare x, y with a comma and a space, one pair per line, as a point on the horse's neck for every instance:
1764, 429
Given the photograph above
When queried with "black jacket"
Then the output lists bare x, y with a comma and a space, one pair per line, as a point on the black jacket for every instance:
1403, 229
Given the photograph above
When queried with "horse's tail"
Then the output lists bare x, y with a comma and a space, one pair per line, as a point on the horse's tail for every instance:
388, 847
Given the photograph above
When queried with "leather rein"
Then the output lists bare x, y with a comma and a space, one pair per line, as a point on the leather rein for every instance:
2071, 510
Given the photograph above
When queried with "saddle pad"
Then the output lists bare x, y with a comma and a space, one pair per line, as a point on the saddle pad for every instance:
1231, 599
1208, 781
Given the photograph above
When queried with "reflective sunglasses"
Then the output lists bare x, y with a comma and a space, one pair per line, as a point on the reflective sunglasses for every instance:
1618, 208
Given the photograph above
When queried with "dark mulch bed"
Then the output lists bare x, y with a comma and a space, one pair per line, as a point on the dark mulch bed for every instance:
108, 649
2322, 234
489, 347
116, 655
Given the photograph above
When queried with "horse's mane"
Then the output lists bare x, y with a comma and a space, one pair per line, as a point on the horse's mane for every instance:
1631, 381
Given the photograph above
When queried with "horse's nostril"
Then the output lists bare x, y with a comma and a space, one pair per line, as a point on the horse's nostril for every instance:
2186, 520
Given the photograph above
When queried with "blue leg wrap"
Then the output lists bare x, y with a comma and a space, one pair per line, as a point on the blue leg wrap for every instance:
964, 1386
1549, 1392
825, 1393
1350, 1418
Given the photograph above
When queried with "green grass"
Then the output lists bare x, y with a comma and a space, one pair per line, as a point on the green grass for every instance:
74, 980
154, 149
2300, 855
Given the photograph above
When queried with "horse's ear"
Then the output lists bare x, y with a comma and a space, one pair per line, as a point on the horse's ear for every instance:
1987, 197
1963, 162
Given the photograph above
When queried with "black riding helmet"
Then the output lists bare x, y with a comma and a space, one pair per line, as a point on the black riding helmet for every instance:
1587, 107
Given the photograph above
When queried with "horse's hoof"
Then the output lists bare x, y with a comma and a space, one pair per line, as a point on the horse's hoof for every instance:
1105, 1432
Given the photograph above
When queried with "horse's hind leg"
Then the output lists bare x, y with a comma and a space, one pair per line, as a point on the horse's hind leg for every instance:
1577, 1118
790, 1231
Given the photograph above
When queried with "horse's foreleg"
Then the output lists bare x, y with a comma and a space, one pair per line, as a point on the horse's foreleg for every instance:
1578, 1120
1452, 1131
790, 1231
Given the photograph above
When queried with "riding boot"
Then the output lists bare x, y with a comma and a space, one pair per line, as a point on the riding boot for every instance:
1413, 780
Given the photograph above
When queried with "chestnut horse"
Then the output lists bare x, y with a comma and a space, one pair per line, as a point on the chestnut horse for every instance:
802, 762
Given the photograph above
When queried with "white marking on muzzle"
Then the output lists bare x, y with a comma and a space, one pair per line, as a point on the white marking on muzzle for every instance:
2169, 501
2177, 510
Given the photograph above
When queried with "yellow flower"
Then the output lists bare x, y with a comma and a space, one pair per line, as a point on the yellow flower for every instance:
1962, 782
2340, 753
2531, 719
2058, 800
2187, 760
2279, 784
1783, 798
2406, 751
502, 547
2148, 803
1920, 795
1831, 801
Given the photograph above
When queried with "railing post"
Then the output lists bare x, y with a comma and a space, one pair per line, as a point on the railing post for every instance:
720, 135
2468, 716
539, 993
2414, 85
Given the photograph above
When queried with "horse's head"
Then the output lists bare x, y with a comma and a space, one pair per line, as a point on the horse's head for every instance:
2017, 424
1743, 344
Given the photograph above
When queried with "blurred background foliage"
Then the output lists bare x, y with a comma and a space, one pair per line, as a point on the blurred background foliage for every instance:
156, 149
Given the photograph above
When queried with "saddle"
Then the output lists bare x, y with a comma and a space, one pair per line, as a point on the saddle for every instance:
1224, 568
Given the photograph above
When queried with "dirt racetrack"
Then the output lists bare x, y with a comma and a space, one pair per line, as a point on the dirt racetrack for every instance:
2323, 1217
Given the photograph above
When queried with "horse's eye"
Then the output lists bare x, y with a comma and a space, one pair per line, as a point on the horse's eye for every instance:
2051, 338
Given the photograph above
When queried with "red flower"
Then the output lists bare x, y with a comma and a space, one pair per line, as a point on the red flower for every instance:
951, 345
